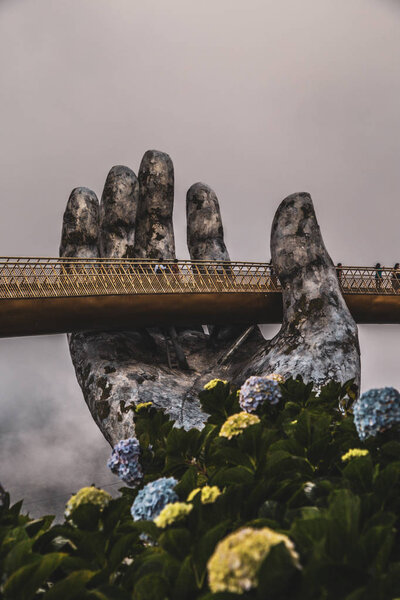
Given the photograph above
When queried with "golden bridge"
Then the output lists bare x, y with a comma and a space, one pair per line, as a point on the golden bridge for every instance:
55, 295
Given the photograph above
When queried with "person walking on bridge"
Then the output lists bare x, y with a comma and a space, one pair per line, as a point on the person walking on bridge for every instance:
396, 277
378, 276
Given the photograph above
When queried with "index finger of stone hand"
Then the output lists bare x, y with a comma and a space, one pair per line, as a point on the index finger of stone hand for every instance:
80, 229
118, 213
154, 236
205, 234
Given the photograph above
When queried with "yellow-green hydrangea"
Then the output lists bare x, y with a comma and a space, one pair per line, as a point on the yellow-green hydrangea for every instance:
193, 493
209, 494
354, 453
213, 383
171, 513
87, 495
143, 405
236, 559
276, 377
235, 424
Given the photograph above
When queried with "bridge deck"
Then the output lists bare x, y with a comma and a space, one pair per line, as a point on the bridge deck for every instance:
52, 295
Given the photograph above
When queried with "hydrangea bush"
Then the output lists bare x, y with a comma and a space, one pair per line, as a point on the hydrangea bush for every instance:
377, 411
259, 391
151, 500
284, 494
124, 461
236, 560
236, 424
87, 495
172, 513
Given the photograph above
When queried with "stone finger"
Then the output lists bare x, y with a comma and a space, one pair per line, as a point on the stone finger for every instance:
154, 236
205, 240
80, 229
205, 233
118, 209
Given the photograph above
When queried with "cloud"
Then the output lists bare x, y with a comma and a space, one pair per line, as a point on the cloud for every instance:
49, 444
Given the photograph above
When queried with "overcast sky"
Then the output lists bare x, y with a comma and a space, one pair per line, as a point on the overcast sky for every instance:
257, 98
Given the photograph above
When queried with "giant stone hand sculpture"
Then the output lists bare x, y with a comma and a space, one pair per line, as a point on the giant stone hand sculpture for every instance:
117, 370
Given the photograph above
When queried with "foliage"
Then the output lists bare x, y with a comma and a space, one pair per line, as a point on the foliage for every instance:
299, 477
377, 411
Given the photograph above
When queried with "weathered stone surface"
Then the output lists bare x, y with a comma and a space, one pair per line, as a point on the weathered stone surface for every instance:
154, 229
118, 213
117, 370
318, 338
80, 230
205, 234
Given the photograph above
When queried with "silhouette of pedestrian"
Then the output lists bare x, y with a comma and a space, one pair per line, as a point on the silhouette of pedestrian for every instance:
339, 272
396, 277
378, 276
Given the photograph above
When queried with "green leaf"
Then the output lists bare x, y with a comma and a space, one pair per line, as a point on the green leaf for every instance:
185, 583
147, 527
151, 587
70, 587
359, 472
121, 549
86, 516
176, 542
24, 583
34, 527
276, 574
206, 545
108, 592
187, 483
232, 475
19, 555
344, 519
218, 402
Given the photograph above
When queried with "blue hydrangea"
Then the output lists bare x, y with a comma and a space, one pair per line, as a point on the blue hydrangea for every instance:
256, 391
377, 411
151, 500
124, 461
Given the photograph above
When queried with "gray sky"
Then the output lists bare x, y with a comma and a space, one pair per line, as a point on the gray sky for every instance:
257, 98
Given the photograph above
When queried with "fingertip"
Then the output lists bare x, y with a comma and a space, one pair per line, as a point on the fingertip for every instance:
296, 239
205, 233
80, 230
154, 236
118, 209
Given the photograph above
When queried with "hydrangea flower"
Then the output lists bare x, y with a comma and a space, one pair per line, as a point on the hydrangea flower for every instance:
235, 424
213, 383
124, 461
377, 410
257, 390
142, 406
209, 494
171, 513
276, 377
153, 498
87, 495
354, 453
236, 559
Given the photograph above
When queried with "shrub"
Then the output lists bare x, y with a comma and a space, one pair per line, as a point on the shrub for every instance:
293, 505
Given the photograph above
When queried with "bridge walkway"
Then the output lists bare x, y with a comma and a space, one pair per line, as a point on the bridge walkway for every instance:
53, 295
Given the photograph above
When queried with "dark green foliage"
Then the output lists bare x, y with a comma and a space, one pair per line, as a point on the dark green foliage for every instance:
285, 473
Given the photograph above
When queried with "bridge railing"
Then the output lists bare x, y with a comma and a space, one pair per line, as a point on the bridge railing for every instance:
26, 277
54, 277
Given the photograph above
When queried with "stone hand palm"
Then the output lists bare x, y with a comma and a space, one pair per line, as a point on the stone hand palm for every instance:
117, 370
